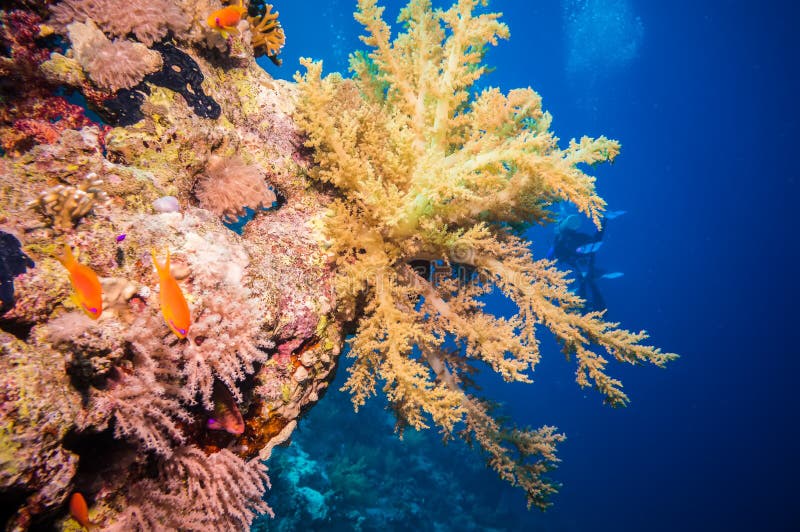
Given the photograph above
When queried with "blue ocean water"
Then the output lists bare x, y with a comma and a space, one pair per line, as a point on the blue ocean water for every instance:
703, 97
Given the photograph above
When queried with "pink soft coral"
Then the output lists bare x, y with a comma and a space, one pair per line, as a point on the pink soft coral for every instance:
148, 20
198, 492
113, 65
144, 412
230, 185
223, 343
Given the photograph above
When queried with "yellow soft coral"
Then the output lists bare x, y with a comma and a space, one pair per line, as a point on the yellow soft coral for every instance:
268, 36
425, 168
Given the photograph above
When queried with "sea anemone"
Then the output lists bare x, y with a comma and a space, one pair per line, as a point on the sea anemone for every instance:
112, 65
229, 186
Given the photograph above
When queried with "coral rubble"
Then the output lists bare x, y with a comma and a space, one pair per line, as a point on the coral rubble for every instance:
405, 164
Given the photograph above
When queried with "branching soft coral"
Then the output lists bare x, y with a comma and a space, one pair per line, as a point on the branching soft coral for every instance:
223, 342
220, 492
426, 168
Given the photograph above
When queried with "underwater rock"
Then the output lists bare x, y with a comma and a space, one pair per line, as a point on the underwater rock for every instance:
38, 407
13, 262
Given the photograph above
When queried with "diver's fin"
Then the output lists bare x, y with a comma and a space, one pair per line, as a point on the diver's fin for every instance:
612, 275
610, 215
588, 248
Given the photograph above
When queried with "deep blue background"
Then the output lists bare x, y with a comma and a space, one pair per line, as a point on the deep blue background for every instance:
707, 115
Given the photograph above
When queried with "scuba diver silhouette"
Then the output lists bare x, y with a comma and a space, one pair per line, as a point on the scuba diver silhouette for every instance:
578, 249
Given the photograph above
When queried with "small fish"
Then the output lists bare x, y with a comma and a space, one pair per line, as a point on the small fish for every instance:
121, 237
612, 275
226, 19
79, 511
173, 305
226, 414
88, 291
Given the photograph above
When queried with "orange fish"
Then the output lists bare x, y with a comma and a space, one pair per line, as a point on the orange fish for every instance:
226, 19
173, 304
88, 292
226, 415
79, 511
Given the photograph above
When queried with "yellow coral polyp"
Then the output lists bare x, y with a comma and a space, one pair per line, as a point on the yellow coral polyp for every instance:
424, 167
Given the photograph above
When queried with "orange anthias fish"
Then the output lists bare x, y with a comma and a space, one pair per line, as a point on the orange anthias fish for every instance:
79, 511
226, 19
173, 304
88, 292
226, 415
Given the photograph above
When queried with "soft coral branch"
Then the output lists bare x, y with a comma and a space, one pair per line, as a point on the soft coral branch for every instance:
423, 170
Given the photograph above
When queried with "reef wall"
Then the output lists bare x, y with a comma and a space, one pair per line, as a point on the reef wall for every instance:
191, 132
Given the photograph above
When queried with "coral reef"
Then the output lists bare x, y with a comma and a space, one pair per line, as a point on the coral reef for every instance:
124, 417
148, 21
400, 164
426, 169
32, 113
38, 408
375, 481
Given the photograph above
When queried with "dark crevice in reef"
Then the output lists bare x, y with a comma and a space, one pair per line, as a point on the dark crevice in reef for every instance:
20, 329
10, 501
13, 262
97, 450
